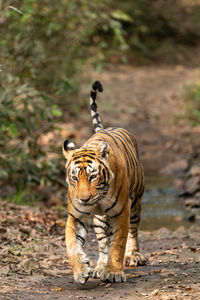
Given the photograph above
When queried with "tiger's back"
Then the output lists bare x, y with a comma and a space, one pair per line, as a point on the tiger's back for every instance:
123, 160
106, 182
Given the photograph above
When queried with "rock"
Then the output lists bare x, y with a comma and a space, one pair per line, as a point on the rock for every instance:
194, 171
180, 229
192, 185
197, 195
192, 202
178, 183
177, 167
192, 218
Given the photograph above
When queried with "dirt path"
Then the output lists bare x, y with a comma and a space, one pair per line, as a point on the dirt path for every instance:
33, 264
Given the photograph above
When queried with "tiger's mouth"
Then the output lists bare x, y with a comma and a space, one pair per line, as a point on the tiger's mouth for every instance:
88, 202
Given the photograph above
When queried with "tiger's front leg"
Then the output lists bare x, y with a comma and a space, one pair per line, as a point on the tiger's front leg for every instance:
113, 270
75, 234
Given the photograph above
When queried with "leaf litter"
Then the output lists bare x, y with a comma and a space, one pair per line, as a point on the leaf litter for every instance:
33, 260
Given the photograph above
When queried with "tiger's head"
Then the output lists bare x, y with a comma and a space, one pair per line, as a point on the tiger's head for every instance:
88, 174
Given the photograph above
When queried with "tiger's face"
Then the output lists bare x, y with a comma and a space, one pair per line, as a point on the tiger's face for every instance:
88, 174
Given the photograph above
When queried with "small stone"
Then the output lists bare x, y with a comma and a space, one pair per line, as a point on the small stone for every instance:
192, 218
180, 229
192, 185
177, 167
192, 202
195, 170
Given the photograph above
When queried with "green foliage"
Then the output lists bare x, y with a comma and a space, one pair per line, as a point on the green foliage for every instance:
52, 40
25, 114
43, 46
192, 103
156, 28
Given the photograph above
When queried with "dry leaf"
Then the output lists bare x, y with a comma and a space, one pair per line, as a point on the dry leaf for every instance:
57, 289
155, 292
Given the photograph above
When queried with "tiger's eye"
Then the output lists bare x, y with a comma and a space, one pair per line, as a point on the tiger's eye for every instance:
93, 177
74, 178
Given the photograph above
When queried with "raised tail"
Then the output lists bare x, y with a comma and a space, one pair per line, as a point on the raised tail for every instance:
97, 86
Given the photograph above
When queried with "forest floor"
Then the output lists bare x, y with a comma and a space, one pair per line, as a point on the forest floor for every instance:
33, 263
148, 101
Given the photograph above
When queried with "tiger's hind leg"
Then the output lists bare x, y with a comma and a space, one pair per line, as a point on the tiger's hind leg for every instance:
101, 227
133, 257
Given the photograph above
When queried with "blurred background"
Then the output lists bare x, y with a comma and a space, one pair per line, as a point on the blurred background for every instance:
146, 53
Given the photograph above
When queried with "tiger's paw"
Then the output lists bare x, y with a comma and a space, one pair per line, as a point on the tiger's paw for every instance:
81, 269
113, 276
97, 272
135, 259
82, 275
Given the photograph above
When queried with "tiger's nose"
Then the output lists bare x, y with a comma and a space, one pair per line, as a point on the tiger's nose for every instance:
85, 199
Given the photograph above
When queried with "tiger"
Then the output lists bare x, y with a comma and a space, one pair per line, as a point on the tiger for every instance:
105, 183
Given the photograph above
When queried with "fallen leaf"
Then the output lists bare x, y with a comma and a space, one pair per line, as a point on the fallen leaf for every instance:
57, 289
155, 292
4, 270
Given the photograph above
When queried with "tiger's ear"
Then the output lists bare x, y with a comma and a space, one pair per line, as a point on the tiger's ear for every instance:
68, 148
103, 149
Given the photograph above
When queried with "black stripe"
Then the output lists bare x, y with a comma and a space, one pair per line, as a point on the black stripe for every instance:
116, 200
93, 106
100, 220
133, 161
84, 155
96, 116
134, 222
100, 188
97, 125
106, 133
104, 174
78, 162
82, 152
134, 202
99, 226
128, 156
80, 238
77, 220
112, 129
81, 212
93, 95
103, 251
101, 238
117, 215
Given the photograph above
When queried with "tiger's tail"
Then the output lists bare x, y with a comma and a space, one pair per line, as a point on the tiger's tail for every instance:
97, 86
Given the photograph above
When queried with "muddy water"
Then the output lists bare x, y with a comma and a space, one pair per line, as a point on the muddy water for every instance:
161, 206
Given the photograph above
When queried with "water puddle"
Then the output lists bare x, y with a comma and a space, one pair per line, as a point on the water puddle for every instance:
161, 207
